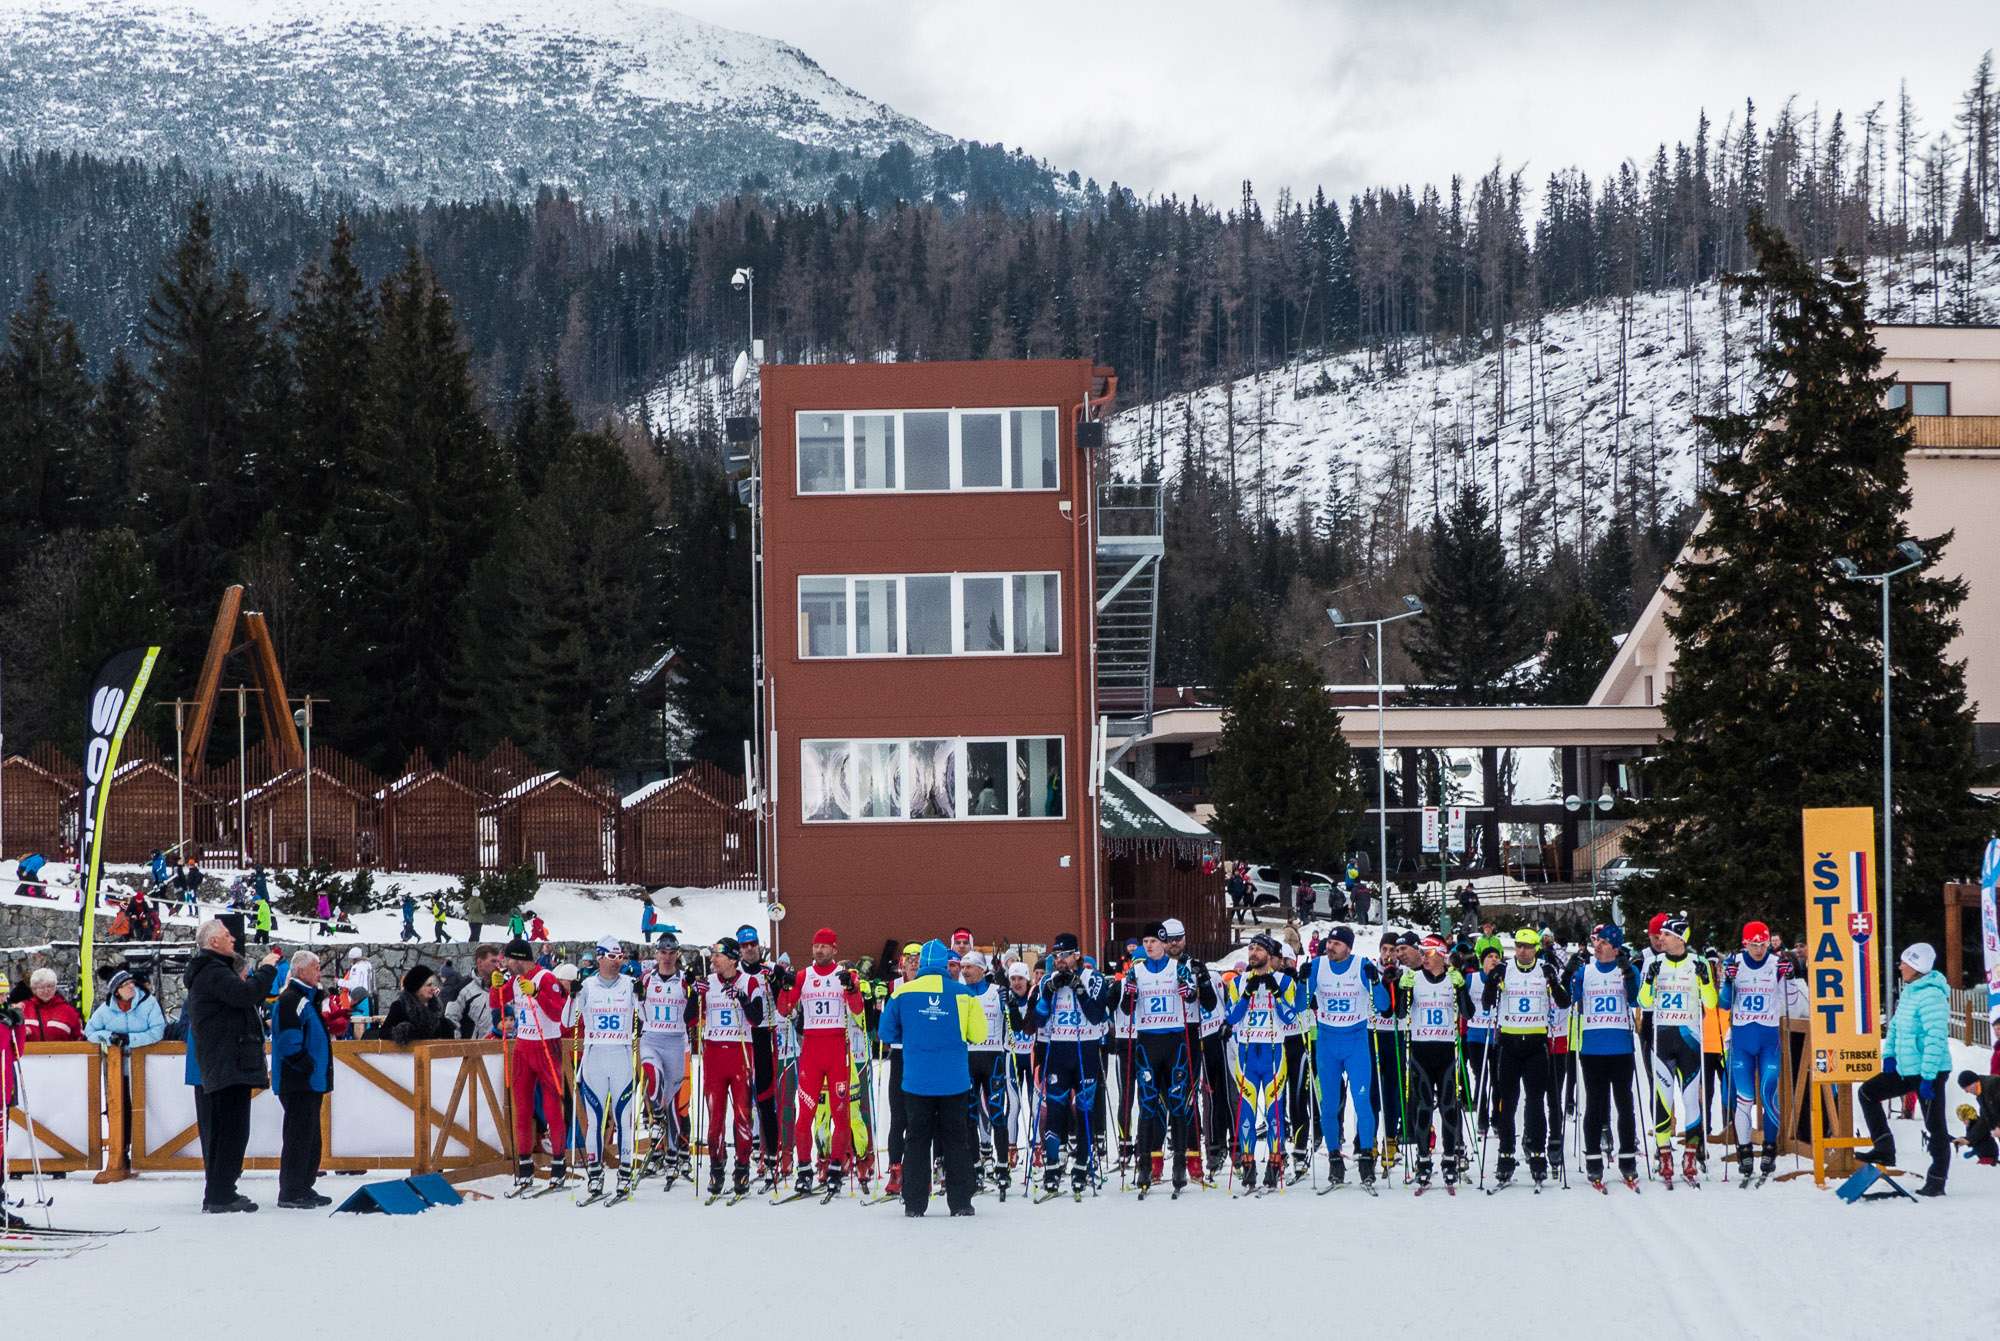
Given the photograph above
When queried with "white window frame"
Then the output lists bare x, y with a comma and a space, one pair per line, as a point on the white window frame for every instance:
955, 449
902, 581
961, 784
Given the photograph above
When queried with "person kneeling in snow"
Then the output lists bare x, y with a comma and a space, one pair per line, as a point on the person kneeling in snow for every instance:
1983, 1120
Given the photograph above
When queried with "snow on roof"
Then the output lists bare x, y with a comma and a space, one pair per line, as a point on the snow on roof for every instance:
520, 789
1129, 810
641, 678
651, 789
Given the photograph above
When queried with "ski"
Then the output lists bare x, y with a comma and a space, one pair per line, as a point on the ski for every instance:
549, 1190
591, 1198
1041, 1197
59, 1232
1632, 1183
712, 1198
828, 1193
791, 1197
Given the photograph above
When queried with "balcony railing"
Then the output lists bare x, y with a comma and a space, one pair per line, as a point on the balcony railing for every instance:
1956, 430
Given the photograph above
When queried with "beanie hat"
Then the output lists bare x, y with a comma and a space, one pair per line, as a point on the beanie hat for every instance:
728, 949
1433, 945
1527, 936
973, 959
1172, 930
609, 945
354, 952
1064, 944
1967, 1079
414, 980
1267, 943
1755, 931
825, 936
1611, 934
1345, 935
565, 973
1654, 927
118, 980
1017, 970
519, 949
1920, 957
1676, 926
667, 941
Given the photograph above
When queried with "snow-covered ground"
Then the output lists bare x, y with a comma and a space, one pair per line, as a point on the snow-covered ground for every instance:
1781, 1262
571, 912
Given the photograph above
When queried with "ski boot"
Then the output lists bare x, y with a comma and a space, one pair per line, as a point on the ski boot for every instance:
1192, 1163
1538, 1170
1181, 1171
1423, 1174
1079, 1178
894, 1187
593, 1182
802, 1185
558, 1172
1933, 1187
1246, 1175
1452, 1169
524, 1176
1767, 1163
1301, 1166
1367, 1165
1503, 1172
715, 1176
1744, 1158
1336, 1168
1883, 1152
1556, 1166
1052, 1181
1274, 1172
1389, 1152
1003, 1179
767, 1174
1124, 1155
836, 1181
739, 1184
1628, 1169
1691, 1166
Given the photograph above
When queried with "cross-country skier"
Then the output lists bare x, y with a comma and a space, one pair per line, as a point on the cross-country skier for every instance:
533, 1002
988, 1061
826, 997
1434, 1000
1678, 991
1071, 1004
663, 1045
1344, 991
1211, 1082
906, 971
1163, 998
1753, 992
1479, 1030
767, 980
1605, 991
725, 1008
1298, 1069
1388, 1036
604, 1014
1019, 1066
1526, 992
1261, 1003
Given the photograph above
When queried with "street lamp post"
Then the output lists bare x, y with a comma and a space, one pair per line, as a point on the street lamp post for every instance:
1573, 803
744, 281
1413, 608
1914, 553
304, 718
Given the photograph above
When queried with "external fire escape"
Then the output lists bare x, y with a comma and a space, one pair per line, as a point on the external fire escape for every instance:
1130, 525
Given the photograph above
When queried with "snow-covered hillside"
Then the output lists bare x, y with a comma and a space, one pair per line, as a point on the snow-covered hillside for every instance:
415, 99
1566, 427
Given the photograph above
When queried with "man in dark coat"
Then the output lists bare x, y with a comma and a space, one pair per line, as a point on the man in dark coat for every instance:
226, 1030
302, 1060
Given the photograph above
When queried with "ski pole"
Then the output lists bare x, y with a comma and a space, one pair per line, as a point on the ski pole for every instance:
42, 1198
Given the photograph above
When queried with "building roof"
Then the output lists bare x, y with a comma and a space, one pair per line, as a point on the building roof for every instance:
1129, 810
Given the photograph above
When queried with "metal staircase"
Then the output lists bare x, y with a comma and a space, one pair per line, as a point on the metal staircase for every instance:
1130, 526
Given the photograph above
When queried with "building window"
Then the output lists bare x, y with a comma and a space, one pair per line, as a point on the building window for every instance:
928, 451
931, 615
976, 778
1924, 398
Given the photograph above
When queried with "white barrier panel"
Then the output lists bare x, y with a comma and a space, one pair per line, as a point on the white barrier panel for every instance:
60, 1084
366, 1120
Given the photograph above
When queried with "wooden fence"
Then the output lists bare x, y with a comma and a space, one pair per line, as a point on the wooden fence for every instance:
468, 814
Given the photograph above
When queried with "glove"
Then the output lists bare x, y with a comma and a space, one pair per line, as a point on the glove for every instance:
498, 977
699, 986
1729, 970
848, 982
1187, 991
522, 988
1925, 1090
1784, 967
734, 993
1888, 1066
120, 1040
1063, 978
10, 1016
1129, 996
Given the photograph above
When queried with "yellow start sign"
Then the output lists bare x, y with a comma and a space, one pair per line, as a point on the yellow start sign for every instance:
1840, 943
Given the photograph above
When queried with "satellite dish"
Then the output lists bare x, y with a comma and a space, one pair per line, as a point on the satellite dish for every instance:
742, 370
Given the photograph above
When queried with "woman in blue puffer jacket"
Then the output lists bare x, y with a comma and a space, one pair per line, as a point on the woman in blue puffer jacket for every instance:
1915, 1057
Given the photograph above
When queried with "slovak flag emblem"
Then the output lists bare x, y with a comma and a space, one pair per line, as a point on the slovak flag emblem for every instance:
1860, 926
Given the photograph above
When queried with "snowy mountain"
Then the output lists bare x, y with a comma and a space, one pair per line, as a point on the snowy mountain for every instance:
444, 99
1565, 431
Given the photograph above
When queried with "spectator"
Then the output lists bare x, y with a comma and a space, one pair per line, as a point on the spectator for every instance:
936, 1078
337, 1008
226, 1026
360, 984
1984, 1119
418, 1014
409, 916
129, 1017
1916, 1056
143, 918
260, 882
28, 870
1468, 902
475, 913
517, 926
323, 910
649, 922
45, 1016
537, 932
1304, 900
302, 1057
1238, 887
438, 914
158, 869
469, 1010
188, 882
264, 920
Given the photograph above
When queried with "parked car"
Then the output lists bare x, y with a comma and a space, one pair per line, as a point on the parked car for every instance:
1264, 886
1621, 868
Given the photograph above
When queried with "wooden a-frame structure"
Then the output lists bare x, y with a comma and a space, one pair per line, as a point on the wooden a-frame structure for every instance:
272, 704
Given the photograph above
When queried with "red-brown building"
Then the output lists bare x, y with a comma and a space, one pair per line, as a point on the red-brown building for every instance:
929, 603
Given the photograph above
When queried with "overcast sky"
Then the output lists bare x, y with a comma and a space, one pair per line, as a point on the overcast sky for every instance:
1191, 96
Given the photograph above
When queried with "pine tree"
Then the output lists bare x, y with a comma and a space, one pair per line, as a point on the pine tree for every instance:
1471, 635
1610, 572
332, 326
544, 422
1579, 650
1283, 776
44, 404
118, 419
1775, 700
707, 605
